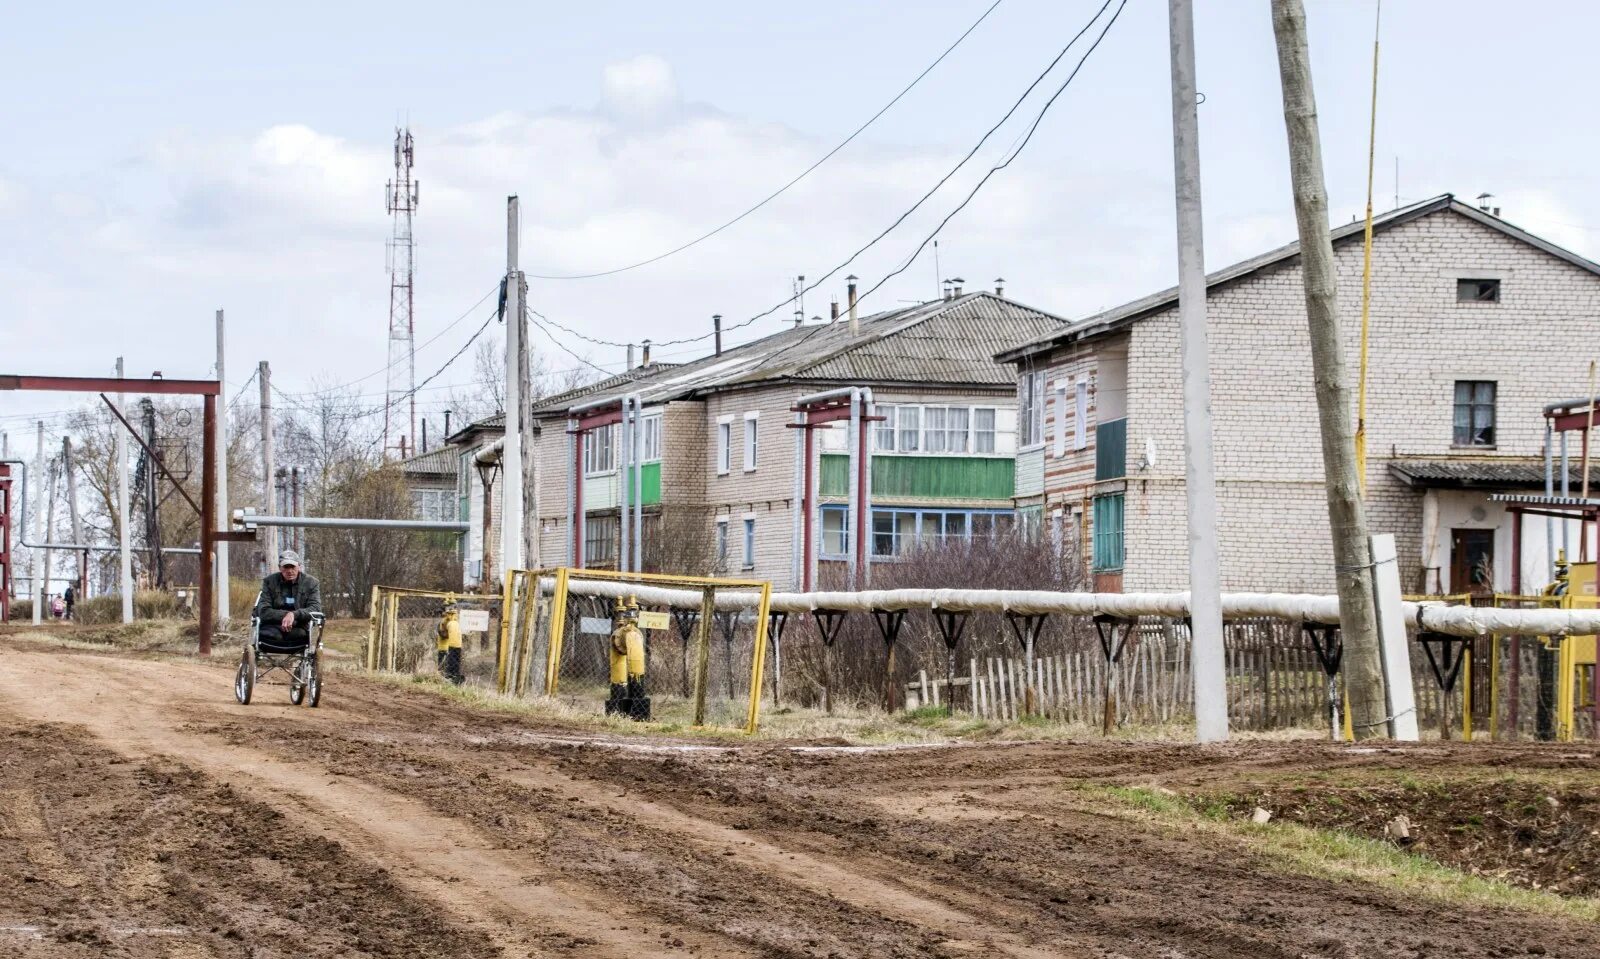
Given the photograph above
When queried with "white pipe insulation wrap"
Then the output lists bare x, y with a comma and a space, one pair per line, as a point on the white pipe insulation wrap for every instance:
490, 455
1291, 607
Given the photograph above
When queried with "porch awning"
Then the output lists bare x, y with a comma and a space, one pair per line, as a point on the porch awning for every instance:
1484, 474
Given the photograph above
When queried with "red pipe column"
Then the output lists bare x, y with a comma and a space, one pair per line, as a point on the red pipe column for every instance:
208, 521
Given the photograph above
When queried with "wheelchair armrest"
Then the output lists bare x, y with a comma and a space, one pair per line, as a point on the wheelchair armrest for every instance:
317, 618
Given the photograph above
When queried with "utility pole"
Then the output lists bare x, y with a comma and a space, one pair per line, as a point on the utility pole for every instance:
49, 521
269, 557
150, 487
220, 521
77, 520
511, 453
125, 578
1200, 479
40, 536
1352, 551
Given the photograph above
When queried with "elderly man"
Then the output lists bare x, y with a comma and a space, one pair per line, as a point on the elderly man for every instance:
288, 598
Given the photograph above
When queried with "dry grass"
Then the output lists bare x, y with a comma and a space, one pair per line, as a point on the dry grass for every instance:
1330, 854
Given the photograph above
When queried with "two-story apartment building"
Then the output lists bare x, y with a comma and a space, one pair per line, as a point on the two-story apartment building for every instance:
1476, 325
724, 465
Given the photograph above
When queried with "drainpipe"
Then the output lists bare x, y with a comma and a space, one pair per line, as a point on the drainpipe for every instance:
1549, 490
574, 491
624, 476
853, 491
1566, 490
864, 542
801, 498
638, 482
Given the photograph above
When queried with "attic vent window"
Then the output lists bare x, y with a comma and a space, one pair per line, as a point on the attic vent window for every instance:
1477, 291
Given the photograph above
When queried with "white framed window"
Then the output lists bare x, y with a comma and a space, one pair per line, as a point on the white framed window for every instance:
1061, 419
883, 430
752, 424
724, 441
599, 451
983, 430
831, 438
721, 556
749, 553
835, 531
1080, 419
957, 420
1030, 402
652, 438
933, 420
908, 430
433, 504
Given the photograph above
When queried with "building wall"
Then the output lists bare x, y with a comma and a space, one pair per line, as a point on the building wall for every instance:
1273, 526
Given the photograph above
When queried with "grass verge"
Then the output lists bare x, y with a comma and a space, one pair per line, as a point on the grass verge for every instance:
1330, 854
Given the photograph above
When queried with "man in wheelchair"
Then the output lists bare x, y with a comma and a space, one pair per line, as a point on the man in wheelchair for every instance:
288, 598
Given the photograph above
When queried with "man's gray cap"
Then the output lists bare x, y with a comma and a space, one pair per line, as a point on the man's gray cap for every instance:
288, 558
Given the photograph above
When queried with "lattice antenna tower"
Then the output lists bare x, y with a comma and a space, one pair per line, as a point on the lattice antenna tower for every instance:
400, 406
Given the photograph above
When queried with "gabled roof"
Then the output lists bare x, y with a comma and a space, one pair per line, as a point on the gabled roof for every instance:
497, 423
1122, 316
938, 343
439, 462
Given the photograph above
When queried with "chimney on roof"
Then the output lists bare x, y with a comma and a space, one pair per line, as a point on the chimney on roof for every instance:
645, 348
833, 310
956, 289
1000, 286
716, 331
447, 423
630, 356
850, 288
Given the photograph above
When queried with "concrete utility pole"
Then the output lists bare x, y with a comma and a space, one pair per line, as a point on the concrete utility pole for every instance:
1200, 479
49, 521
269, 548
511, 453
41, 485
125, 579
221, 521
1352, 553
77, 521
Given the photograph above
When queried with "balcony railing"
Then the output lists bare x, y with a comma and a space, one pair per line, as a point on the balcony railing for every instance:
1111, 449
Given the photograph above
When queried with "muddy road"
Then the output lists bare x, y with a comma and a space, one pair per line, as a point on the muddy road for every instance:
144, 814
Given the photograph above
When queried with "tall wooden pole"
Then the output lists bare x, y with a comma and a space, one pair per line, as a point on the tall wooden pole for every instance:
1352, 553
269, 549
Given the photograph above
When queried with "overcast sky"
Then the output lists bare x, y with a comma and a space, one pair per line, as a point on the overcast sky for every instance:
166, 160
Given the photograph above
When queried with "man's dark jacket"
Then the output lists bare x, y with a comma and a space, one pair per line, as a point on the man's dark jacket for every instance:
274, 600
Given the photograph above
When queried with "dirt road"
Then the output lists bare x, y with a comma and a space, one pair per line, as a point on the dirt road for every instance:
144, 814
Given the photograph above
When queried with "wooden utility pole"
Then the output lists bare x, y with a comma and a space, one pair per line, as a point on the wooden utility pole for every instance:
77, 520
511, 449
269, 547
1352, 552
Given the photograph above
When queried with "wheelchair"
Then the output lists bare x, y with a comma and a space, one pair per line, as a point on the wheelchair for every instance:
300, 661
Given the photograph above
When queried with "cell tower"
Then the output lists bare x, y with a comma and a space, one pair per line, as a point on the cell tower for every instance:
400, 425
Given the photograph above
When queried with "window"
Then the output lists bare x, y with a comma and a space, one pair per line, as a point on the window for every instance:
832, 438
983, 431
835, 531
600, 540
896, 532
956, 429
1477, 291
883, 430
433, 504
1080, 424
652, 438
1031, 398
464, 471
908, 433
1061, 420
599, 451
749, 543
724, 440
1474, 413
933, 420
1108, 532
722, 544
751, 421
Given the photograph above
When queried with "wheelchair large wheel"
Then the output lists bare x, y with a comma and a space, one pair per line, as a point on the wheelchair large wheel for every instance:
314, 680
244, 681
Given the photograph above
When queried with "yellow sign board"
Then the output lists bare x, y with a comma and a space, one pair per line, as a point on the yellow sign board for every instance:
650, 620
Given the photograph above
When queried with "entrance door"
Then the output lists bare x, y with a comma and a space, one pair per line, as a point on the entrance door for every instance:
1472, 561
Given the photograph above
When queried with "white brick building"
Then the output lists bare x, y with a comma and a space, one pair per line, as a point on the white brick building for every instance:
1475, 327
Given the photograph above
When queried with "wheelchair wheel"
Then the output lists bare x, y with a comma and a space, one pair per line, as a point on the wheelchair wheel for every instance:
297, 689
244, 681
314, 680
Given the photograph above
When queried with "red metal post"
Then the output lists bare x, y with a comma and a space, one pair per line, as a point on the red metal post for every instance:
208, 521
862, 522
5, 543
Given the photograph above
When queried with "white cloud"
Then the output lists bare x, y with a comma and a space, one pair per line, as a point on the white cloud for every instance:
640, 86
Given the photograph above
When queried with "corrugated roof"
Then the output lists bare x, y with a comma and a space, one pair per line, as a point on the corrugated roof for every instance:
439, 462
563, 400
1127, 313
1460, 473
936, 343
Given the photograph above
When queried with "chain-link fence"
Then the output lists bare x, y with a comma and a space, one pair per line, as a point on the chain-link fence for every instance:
403, 634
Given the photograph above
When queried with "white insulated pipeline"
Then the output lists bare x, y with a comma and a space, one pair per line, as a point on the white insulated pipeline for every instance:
1292, 607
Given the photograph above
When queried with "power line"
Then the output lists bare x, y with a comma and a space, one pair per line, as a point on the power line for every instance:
562, 346
902, 217
1009, 158
239, 395
783, 189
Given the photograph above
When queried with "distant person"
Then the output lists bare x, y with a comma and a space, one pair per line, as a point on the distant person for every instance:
57, 607
71, 596
288, 598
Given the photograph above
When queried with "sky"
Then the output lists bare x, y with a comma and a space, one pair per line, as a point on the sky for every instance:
167, 160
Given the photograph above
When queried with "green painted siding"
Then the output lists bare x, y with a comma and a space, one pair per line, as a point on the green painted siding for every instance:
925, 477
651, 474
